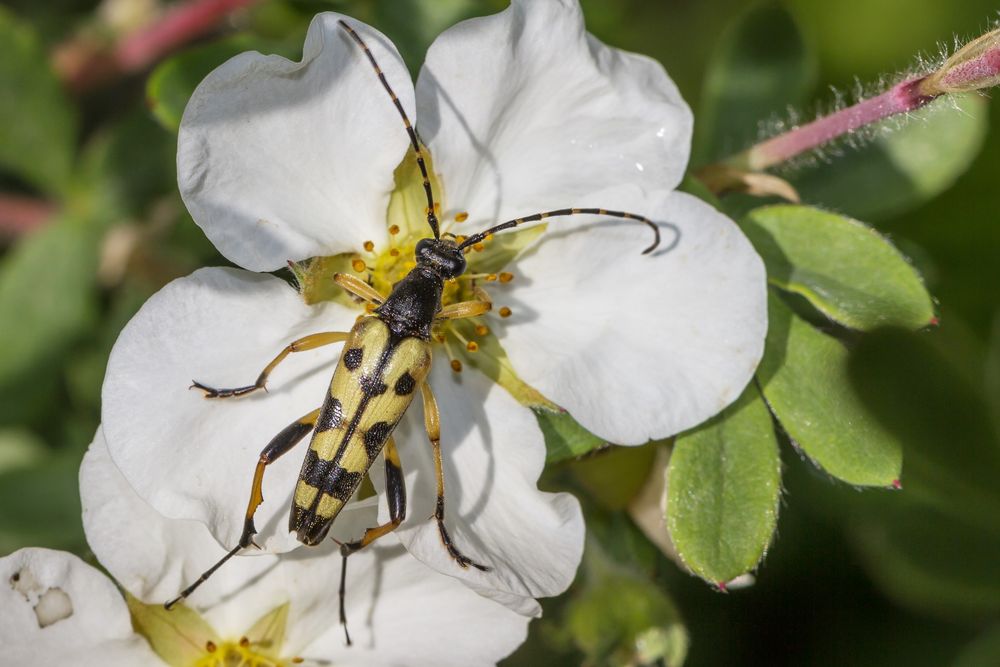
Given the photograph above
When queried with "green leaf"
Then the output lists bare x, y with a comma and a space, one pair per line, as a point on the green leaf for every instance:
761, 67
564, 437
804, 379
46, 297
723, 487
171, 84
37, 123
844, 268
905, 167
952, 445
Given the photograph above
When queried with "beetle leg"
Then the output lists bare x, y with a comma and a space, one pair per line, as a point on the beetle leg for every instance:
456, 311
289, 436
359, 288
310, 342
395, 487
432, 422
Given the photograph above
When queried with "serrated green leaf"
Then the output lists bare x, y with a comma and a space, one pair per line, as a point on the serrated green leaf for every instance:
171, 84
760, 68
952, 445
844, 268
37, 123
723, 487
46, 297
804, 379
902, 168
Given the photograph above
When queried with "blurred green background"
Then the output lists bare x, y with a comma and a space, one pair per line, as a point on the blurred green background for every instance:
91, 225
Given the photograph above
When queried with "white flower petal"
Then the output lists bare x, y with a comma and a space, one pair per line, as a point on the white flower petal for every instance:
55, 610
524, 111
191, 457
493, 455
279, 160
638, 347
400, 612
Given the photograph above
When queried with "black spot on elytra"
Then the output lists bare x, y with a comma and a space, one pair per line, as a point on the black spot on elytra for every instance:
341, 483
405, 385
352, 358
371, 385
375, 437
331, 416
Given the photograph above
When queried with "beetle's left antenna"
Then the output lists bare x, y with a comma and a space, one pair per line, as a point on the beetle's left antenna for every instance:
432, 220
202, 579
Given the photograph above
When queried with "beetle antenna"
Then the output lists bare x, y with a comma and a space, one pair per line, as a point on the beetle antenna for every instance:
432, 220
510, 224
202, 579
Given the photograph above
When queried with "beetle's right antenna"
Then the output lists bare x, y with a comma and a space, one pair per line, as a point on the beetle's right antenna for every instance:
432, 220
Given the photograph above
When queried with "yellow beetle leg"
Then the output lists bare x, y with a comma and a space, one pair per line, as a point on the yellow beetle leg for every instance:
359, 288
395, 488
432, 423
310, 342
280, 444
456, 311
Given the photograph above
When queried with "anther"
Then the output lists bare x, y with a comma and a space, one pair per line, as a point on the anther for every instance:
461, 217
505, 312
478, 247
456, 365
393, 229
440, 337
358, 265
297, 660
210, 646
370, 307
244, 642
369, 246
506, 277
393, 252
482, 330
472, 346
491, 277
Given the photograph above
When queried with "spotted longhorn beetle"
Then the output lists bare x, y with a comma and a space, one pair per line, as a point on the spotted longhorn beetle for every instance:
385, 360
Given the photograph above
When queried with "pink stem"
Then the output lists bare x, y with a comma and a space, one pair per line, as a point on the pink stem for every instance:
19, 214
901, 98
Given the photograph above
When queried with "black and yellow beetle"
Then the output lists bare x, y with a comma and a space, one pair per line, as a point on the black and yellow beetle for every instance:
384, 363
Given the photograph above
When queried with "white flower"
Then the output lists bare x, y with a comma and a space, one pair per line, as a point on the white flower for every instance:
522, 112
57, 610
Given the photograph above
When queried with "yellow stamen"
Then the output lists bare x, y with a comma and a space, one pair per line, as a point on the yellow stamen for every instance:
482, 330
394, 252
506, 277
472, 346
358, 265
393, 229
456, 365
505, 312
478, 247
210, 646
491, 277
462, 216
369, 246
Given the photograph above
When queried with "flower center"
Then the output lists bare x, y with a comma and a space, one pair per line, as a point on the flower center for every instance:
242, 653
